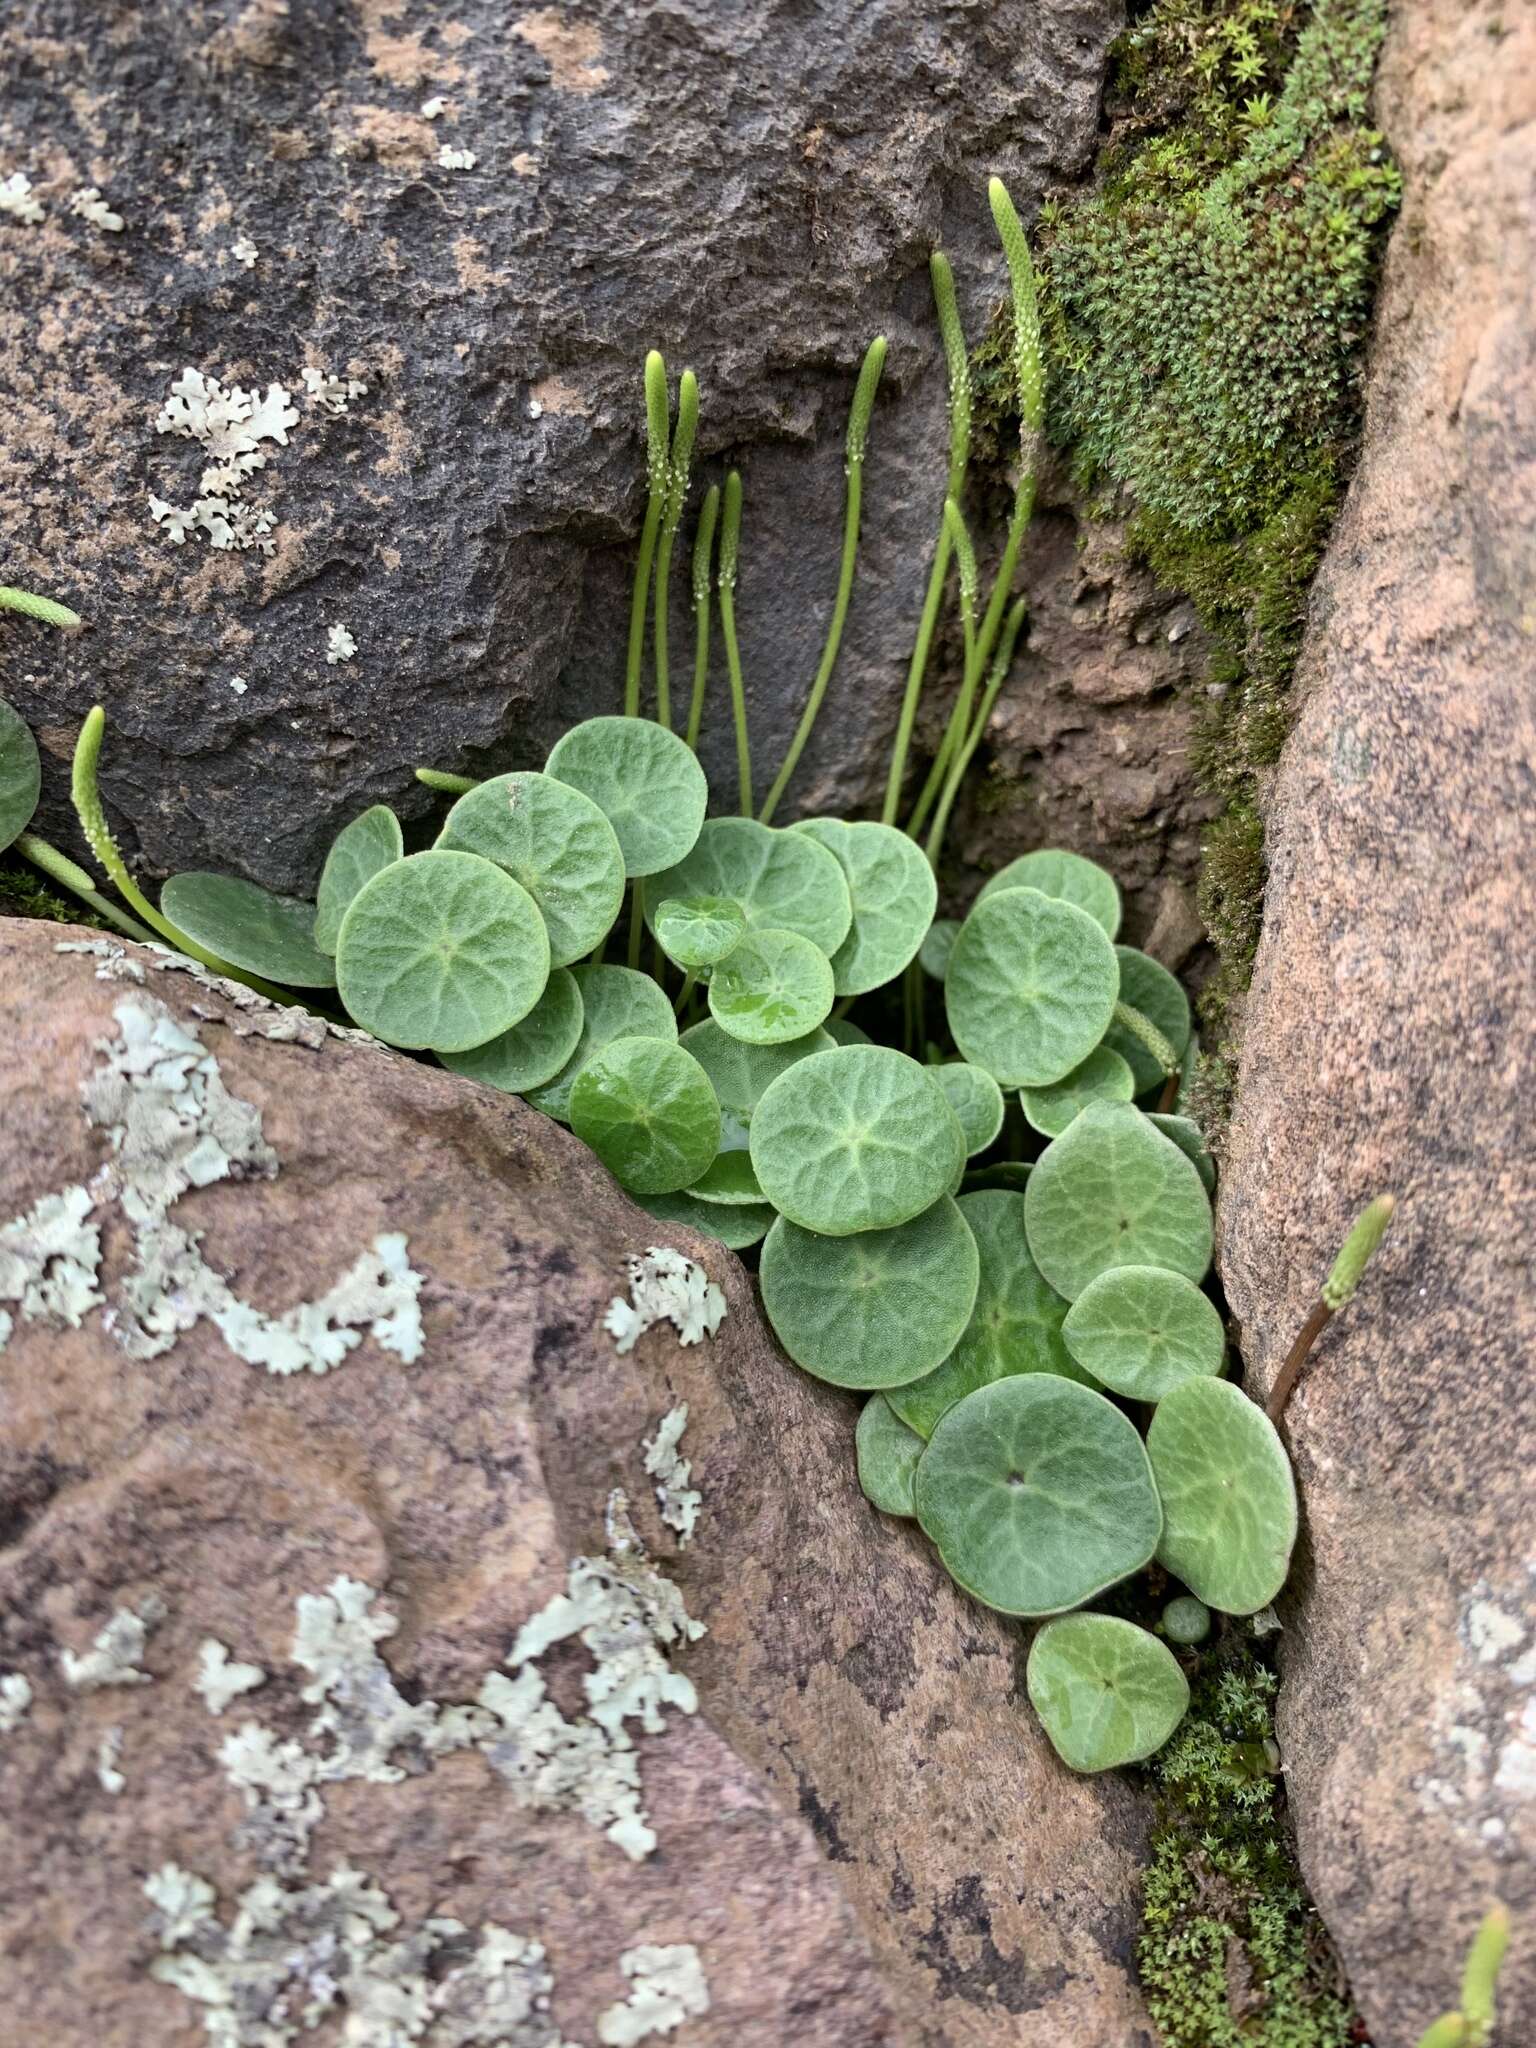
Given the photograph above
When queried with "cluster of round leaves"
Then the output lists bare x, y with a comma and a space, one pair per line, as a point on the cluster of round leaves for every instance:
1006, 1318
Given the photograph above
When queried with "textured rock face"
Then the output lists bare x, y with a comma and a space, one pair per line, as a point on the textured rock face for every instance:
1389, 1046
754, 187
861, 1831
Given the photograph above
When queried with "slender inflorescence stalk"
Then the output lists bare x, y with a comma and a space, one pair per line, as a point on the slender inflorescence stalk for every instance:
31, 606
93, 822
1472, 2025
957, 358
657, 472
730, 549
678, 462
1337, 1290
703, 565
450, 785
858, 436
959, 723
58, 867
959, 766
1141, 1028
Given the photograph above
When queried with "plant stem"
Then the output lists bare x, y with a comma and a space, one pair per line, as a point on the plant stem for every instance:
958, 361
61, 869
41, 608
671, 516
858, 435
962, 760
1146, 1033
657, 437
703, 558
1285, 1380
636, 925
93, 822
1168, 1100
450, 785
730, 545
684, 993
1337, 1291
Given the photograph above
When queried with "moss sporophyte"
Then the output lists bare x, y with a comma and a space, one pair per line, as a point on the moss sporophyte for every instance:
999, 1227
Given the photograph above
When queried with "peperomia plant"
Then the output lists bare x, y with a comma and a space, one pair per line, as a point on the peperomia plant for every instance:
975, 1198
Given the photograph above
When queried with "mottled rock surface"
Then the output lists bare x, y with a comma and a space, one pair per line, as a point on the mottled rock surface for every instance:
862, 1831
1389, 1046
754, 187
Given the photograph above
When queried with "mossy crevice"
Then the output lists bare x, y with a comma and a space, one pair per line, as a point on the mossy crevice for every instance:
1231, 1953
1204, 307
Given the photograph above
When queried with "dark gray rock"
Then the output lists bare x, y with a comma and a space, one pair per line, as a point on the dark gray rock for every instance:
754, 187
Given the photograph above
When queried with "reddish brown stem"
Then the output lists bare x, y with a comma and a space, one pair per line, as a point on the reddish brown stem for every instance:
1296, 1358
1170, 1094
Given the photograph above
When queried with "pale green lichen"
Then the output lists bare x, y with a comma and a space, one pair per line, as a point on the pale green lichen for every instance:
667, 1986
665, 1287
50, 1259
15, 1701
678, 1501
221, 1677
113, 1658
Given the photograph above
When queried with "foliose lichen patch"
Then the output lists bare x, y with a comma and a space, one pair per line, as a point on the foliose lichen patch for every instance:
665, 1287
678, 1501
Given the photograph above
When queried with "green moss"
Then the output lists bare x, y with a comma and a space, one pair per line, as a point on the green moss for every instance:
1204, 309
1231, 1954
26, 893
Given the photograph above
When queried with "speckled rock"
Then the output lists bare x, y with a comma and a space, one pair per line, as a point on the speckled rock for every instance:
1389, 1046
862, 1830
755, 187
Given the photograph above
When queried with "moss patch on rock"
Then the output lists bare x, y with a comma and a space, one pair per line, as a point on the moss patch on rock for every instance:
1205, 306
1231, 1954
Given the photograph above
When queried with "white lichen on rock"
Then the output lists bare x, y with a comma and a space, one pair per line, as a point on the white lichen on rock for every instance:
288, 1023
244, 251
229, 426
290, 1959
679, 1502
15, 1701
339, 646
113, 1659
331, 393
221, 1677
108, 1755
17, 200
50, 1259
172, 1125
431, 109
88, 205
664, 1286
451, 159
667, 1986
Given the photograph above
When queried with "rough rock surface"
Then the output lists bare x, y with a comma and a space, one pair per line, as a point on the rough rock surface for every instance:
1389, 1046
862, 1831
754, 187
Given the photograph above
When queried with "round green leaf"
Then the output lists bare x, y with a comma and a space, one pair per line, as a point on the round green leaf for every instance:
273, 936
859, 1138
372, 841
558, 844
975, 1098
1106, 1691
887, 1455
21, 775
1141, 1330
645, 782
1103, 1077
1146, 985
699, 930
872, 1310
1112, 1191
1032, 985
775, 987
533, 1051
646, 1108
936, 948
1186, 1619
784, 881
740, 1073
1014, 1327
1038, 1494
734, 1228
729, 1179
1229, 1499
1190, 1139
842, 1031
441, 951
616, 1002
893, 893
1067, 877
